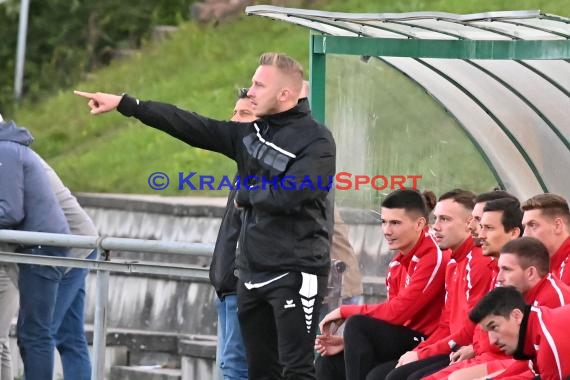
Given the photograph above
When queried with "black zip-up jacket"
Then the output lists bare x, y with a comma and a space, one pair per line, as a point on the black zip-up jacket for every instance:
282, 229
223, 265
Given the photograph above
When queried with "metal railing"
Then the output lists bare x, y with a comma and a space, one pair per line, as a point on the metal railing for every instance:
103, 266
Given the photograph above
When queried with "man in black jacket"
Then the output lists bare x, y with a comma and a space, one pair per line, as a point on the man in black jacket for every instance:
286, 161
231, 351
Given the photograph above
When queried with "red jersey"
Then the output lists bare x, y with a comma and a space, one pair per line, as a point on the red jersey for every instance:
467, 279
559, 262
544, 338
464, 336
549, 291
415, 285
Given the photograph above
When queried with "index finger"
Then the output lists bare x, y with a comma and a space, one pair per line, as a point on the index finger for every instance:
84, 94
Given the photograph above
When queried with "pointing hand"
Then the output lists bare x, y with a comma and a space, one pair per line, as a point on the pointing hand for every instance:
100, 102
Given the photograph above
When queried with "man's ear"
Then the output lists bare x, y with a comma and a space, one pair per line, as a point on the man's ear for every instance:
532, 273
559, 225
421, 222
515, 233
284, 94
517, 315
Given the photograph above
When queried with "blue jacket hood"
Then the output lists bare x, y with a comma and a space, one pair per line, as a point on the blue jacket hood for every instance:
9, 131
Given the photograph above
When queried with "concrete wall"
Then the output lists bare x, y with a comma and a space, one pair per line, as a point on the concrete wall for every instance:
149, 315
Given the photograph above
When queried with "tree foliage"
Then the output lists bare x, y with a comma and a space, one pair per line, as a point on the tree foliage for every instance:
67, 39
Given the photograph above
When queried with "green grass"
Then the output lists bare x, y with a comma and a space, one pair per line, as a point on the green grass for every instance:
198, 68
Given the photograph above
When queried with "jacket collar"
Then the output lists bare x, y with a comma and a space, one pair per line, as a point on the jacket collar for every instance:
560, 256
284, 118
461, 252
532, 294
9, 131
405, 259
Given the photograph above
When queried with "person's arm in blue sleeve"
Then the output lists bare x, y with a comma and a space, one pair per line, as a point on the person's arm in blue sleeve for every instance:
11, 186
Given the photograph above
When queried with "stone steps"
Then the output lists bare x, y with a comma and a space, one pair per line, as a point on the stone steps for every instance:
162, 356
145, 373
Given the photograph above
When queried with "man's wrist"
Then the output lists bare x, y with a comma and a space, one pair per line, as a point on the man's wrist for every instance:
128, 105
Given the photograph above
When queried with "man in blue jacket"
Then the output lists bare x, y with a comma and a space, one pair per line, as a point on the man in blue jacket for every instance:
28, 203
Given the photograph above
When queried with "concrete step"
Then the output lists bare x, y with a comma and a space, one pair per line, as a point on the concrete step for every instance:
198, 357
203, 346
166, 359
144, 373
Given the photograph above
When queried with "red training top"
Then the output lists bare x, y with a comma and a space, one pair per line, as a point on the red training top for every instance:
415, 285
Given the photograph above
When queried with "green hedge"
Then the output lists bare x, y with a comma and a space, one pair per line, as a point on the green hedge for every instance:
68, 38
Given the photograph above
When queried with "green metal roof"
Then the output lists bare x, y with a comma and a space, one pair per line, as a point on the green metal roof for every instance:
504, 76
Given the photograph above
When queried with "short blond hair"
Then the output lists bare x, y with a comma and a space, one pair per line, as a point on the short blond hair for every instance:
286, 65
550, 205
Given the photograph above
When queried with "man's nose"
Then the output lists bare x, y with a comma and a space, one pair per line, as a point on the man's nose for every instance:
493, 338
500, 277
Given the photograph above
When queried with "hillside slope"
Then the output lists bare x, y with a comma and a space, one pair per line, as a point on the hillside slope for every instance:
197, 68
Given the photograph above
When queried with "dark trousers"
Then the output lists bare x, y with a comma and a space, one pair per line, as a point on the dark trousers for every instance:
369, 342
52, 305
411, 371
278, 323
330, 367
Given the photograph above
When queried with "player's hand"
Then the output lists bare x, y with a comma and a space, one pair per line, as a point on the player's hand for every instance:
408, 357
328, 345
331, 322
100, 102
463, 353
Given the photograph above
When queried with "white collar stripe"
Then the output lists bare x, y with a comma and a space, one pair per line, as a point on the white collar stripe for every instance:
268, 143
556, 289
550, 340
436, 268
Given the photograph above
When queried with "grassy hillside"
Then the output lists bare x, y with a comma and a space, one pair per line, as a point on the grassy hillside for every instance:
198, 68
